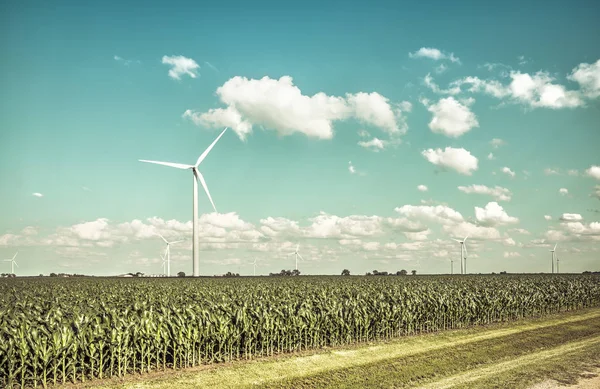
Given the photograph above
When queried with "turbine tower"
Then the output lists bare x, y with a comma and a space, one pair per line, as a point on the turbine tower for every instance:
297, 254
168, 253
12, 263
463, 254
196, 176
254, 264
552, 251
164, 264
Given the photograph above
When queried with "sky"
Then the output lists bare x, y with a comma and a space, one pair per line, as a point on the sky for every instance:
369, 133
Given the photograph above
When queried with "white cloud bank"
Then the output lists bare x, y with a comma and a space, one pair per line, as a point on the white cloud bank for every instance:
459, 160
181, 66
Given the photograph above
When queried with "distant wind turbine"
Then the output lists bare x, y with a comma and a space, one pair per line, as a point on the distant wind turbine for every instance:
552, 251
254, 264
168, 253
297, 254
196, 176
463, 254
12, 263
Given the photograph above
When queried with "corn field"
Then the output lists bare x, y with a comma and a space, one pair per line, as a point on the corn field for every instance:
54, 331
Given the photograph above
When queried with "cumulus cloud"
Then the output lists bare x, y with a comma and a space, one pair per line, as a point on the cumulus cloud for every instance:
491, 156
594, 172
493, 214
474, 231
496, 142
547, 217
571, 217
563, 191
351, 168
433, 53
596, 192
507, 170
451, 118
36, 194
459, 160
511, 254
429, 83
588, 78
181, 66
331, 226
422, 188
440, 213
374, 144
279, 105
498, 192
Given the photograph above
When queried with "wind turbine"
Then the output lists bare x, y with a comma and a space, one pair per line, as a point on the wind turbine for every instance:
168, 253
463, 249
552, 251
164, 263
254, 263
297, 254
12, 263
196, 176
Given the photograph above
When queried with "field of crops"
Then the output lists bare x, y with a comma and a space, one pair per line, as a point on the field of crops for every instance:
60, 330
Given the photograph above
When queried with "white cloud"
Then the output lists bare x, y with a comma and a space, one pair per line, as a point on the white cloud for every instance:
227, 117
440, 213
451, 118
491, 156
374, 144
332, 226
428, 81
550, 171
573, 172
418, 236
180, 66
493, 214
351, 168
593, 171
547, 217
29, 230
521, 231
457, 159
511, 254
422, 188
124, 61
36, 194
279, 105
571, 217
507, 170
596, 192
588, 78
509, 242
563, 191
433, 53
496, 142
498, 192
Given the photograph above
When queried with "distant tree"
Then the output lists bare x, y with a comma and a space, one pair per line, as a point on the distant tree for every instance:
382, 273
41, 275
345, 272
414, 272
402, 272
375, 273
503, 272
52, 274
181, 274
368, 273
295, 272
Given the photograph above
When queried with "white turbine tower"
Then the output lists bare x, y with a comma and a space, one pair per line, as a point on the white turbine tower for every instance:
254, 264
297, 254
196, 176
552, 251
12, 263
164, 264
463, 253
168, 253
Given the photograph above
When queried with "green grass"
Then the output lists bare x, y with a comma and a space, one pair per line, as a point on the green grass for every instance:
497, 356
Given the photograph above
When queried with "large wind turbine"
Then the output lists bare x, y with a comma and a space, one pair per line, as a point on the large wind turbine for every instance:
463, 252
297, 254
552, 251
254, 264
12, 263
196, 176
168, 253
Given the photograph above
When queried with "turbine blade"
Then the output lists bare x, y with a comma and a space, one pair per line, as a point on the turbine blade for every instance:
465, 238
206, 189
555, 247
466, 253
297, 246
14, 256
163, 238
16, 264
170, 164
177, 241
209, 148
456, 240
300, 256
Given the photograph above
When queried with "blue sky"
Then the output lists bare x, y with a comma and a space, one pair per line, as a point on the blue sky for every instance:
369, 134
